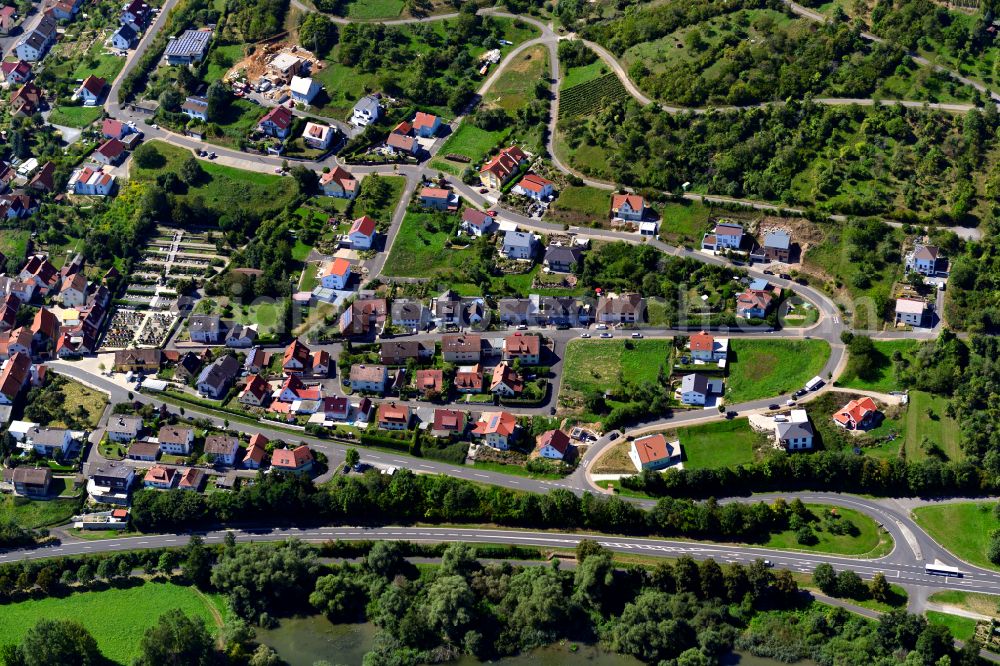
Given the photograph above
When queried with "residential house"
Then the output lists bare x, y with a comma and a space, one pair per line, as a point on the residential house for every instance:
205, 329
500, 168
362, 234
654, 453
221, 449
364, 316
753, 304
17, 341
926, 260
303, 89
277, 122
469, 379
912, 312
795, 433
336, 408
336, 275
176, 440
630, 207
27, 101
44, 178
697, 388
256, 392
448, 422
31, 481
297, 461
15, 72
187, 366
860, 414
191, 479
91, 90
366, 111
426, 125
88, 181
429, 381
110, 483
14, 377
371, 378
256, 450
256, 361
534, 187
528, 348
124, 38
195, 107
286, 65
159, 478
143, 451
410, 314
190, 47
136, 13
110, 152
50, 442
216, 378
438, 198
124, 428
316, 136
706, 347
44, 330
239, 336
8, 17
339, 183
450, 309
519, 245
506, 382
477, 223
777, 246
496, 429
321, 363
563, 311
562, 258
297, 358
620, 309
553, 445
138, 360
393, 417
725, 236
398, 352
39, 270
33, 46
461, 348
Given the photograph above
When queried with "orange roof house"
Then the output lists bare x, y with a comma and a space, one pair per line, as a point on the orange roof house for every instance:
858, 414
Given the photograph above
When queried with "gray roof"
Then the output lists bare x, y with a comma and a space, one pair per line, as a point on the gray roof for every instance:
367, 103
791, 430
562, 254
405, 309
239, 331
126, 32
35, 40
694, 382
222, 371
112, 470
47, 436
518, 239
190, 43
205, 323
126, 424
219, 444
779, 239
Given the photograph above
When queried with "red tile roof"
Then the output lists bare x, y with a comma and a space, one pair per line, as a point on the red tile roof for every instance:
363, 225
112, 148
449, 419
557, 439
652, 448
94, 85
499, 423
634, 201
702, 342
279, 116
295, 458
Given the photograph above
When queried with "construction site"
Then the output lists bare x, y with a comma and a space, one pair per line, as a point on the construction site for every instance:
270, 68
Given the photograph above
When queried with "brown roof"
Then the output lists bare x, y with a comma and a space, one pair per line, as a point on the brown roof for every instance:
390, 412
220, 444
522, 345
297, 351
449, 419
34, 476
461, 343
430, 380
170, 434
557, 439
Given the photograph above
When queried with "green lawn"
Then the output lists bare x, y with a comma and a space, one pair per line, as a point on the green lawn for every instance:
233, 54
799, 314
718, 444
375, 9
79, 397
926, 417
868, 541
962, 628
379, 206
684, 222
419, 249
963, 528
516, 86
470, 141
117, 618
94, 61
222, 188
598, 364
14, 243
977, 602
32, 514
883, 376
238, 121
574, 76
75, 116
764, 368
580, 205
267, 315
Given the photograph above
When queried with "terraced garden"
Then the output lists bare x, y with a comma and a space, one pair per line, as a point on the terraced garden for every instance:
586, 98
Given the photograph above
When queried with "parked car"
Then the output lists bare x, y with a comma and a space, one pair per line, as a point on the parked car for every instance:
607, 335
585, 335
785, 276
768, 272
774, 405
637, 336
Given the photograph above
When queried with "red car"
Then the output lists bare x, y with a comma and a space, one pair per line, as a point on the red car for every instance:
491, 213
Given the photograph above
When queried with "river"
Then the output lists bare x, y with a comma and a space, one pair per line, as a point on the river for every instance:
301, 641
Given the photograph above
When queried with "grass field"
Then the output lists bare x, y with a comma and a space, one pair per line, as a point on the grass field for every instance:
93, 61
962, 628
375, 9
223, 188
718, 444
598, 364
868, 541
470, 141
762, 368
116, 618
580, 205
516, 86
883, 377
232, 52
963, 528
419, 249
75, 116
574, 76
14, 243
977, 602
380, 211
684, 222
926, 417
32, 514
77, 397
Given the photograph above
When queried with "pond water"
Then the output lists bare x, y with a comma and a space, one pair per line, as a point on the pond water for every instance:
301, 641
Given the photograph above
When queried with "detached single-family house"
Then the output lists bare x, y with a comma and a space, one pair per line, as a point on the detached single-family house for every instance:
49, 441
138, 360
534, 187
8, 16
753, 304
926, 260
205, 329
654, 453
562, 258
476, 222
176, 440
195, 107
795, 433
912, 312
297, 461
503, 166
256, 392
91, 90
429, 381
448, 422
15, 73
221, 449
114, 129
366, 111
26, 101
253, 458
496, 429
620, 309
410, 314
124, 428
339, 183
371, 378
725, 236
14, 377
630, 207
189, 47
110, 152
362, 233
159, 477
317, 136
33, 46
553, 444
143, 451
110, 483
425, 125
519, 245
401, 144
216, 378
461, 348
336, 275
124, 37
777, 246
191, 478
393, 417
88, 181
696, 389
73, 291
506, 382
528, 348
277, 122
860, 414
297, 358
469, 379
398, 352
304, 89
706, 347
239, 336
136, 13
31, 481
286, 65
335, 408
438, 198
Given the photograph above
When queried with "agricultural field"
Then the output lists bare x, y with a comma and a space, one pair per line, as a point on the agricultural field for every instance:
718, 444
588, 97
764, 368
516, 86
117, 618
